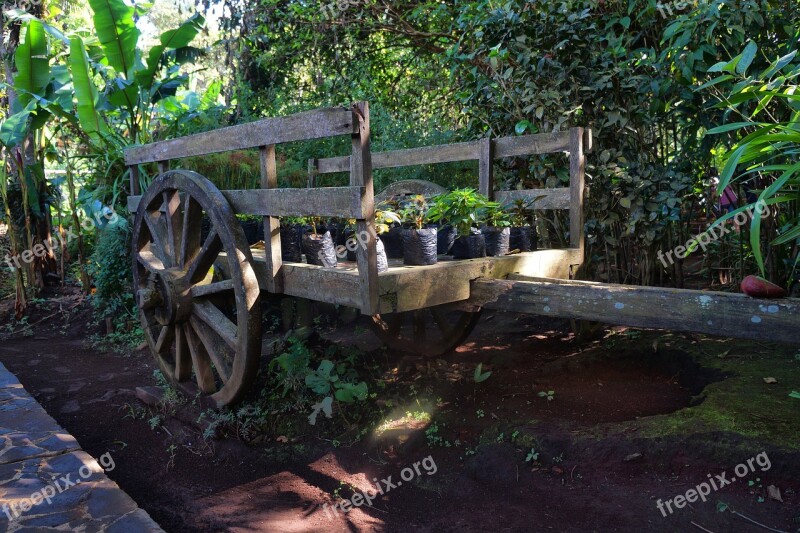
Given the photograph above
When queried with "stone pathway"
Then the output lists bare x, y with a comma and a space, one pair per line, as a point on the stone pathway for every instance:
47, 482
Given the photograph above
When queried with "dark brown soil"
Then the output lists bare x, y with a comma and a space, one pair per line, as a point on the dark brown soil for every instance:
581, 480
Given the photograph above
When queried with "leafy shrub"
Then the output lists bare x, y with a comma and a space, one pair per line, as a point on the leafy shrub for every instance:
110, 268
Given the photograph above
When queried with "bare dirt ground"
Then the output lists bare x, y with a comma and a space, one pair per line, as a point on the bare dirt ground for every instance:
634, 418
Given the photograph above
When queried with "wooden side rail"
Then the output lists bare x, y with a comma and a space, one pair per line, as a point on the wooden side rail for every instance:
577, 142
342, 202
712, 313
316, 124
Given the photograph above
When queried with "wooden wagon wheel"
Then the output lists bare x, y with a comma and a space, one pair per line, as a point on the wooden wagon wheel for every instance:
205, 333
433, 331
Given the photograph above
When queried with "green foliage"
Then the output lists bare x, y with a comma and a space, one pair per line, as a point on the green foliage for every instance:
461, 208
110, 267
496, 216
480, 376
766, 111
414, 211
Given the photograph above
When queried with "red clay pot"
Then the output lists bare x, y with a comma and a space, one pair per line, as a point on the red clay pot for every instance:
758, 287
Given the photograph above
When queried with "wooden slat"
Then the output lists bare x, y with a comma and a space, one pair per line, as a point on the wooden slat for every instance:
344, 202
303, 126
135, 190
540, 143
543, 143
486, 169
361, 176
577, 169
713, 313
544, 198
272, 225
427, 155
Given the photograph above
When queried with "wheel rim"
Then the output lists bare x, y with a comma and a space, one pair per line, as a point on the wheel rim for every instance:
432, 331
205, 333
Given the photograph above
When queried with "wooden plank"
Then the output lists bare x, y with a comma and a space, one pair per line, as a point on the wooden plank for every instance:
577, 170
361, 176
426, 155
272, 225
537, 144
486, 169
344, 202
543, 143
135, 190
544, 198
405, 288
312, 173
713, 313
302, 126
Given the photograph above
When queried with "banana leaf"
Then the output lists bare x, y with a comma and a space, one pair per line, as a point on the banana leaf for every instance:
33, 65
117, 32
178, 38
85, 91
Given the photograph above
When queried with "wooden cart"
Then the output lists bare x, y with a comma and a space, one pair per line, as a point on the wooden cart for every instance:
200, 297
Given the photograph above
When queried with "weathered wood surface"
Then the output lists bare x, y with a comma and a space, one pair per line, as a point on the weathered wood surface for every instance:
344, 202
409, 188
577, 174
540, 143
543, 198
272, 224
537, 144
361, 176
427, 155
486, 169
302, 126
405, 288
713, 313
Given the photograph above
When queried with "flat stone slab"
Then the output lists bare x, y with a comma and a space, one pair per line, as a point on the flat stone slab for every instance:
47, 482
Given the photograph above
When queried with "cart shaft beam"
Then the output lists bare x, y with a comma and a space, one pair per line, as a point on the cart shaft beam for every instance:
713, 313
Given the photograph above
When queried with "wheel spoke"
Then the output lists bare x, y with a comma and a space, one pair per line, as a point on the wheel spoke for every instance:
216, 320
190, 237
201, 362
158, 234
198, 291
200, 265
183, 359
214, 349
174, 219
150, 262
165, 339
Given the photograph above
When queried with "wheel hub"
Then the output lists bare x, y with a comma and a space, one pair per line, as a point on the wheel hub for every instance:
169, 294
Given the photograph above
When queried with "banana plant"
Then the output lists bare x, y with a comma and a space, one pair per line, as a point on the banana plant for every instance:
131, 86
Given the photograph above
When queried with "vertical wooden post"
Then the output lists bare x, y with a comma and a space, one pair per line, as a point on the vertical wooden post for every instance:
577, 173
361, 175
272, 225
163, 166
312, 173
486, 168
134, 179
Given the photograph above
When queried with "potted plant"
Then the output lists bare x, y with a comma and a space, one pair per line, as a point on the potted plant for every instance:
393, 236
462, 208
319, 249
523, 229
419, 242
383, 221
497, 231
445, 233
292, 238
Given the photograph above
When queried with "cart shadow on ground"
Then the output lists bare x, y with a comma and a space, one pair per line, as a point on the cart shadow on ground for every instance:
562, 435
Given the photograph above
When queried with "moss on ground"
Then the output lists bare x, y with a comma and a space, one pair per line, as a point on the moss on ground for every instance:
742, 403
